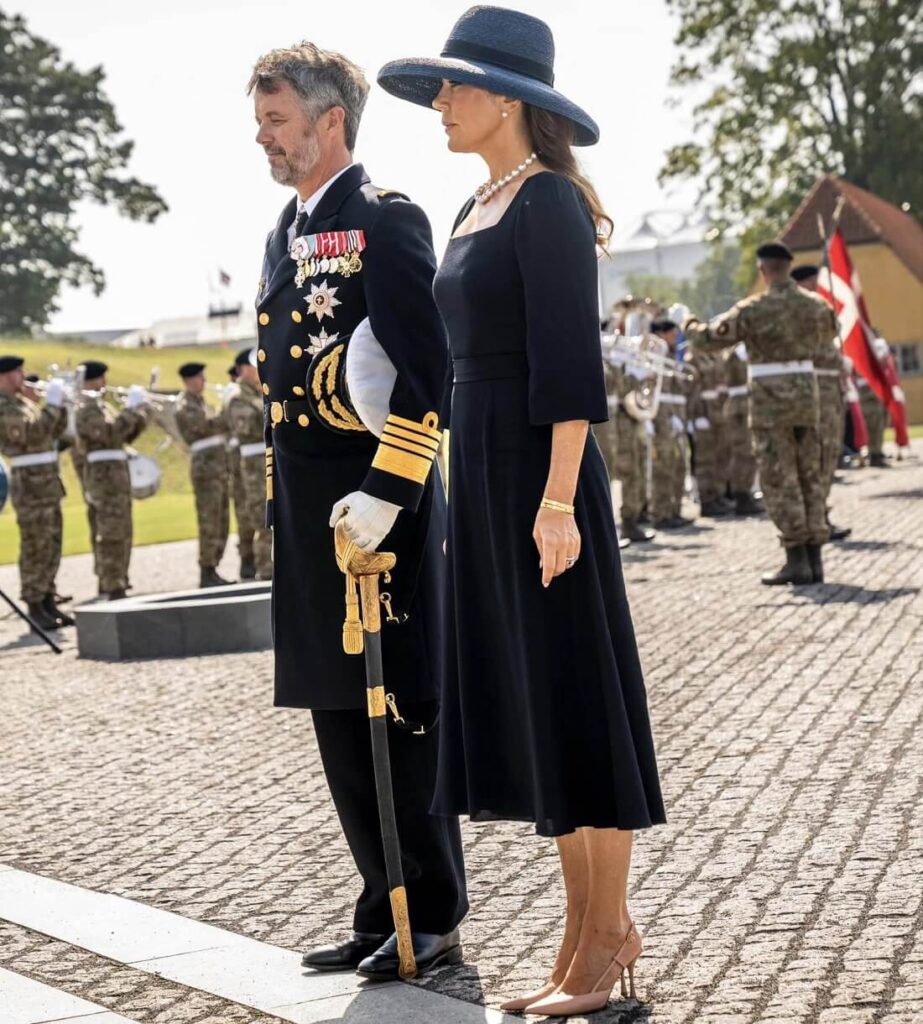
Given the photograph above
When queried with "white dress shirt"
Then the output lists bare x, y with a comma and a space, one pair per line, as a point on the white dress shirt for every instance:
309, 205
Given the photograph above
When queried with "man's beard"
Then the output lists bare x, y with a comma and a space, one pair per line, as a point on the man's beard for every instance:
297, 165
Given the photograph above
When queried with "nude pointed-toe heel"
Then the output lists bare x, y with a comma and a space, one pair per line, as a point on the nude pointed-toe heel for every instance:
522, 1002
559, 1004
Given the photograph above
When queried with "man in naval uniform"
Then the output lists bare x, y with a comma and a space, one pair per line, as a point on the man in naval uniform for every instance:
345, 253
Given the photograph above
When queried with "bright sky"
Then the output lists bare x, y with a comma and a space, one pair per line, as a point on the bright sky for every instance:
176, 72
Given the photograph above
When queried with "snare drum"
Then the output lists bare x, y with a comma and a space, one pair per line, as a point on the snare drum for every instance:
145, 476
4, 484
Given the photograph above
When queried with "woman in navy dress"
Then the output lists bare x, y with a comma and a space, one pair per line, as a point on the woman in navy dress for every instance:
544, 711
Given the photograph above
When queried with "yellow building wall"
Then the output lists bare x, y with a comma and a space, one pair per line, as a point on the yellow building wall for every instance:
895, 303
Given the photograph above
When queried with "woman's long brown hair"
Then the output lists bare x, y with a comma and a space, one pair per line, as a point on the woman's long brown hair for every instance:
552, 137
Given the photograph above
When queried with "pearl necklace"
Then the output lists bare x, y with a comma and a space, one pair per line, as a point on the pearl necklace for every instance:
489, 189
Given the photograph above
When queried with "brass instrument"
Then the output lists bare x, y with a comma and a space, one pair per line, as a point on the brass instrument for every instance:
644, 356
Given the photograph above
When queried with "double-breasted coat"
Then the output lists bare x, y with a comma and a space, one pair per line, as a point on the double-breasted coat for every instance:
363, 253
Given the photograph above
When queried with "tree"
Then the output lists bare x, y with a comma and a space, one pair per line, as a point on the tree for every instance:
799, 88
60, 143
711, 290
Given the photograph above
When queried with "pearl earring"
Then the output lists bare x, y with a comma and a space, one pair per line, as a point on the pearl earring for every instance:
505, 113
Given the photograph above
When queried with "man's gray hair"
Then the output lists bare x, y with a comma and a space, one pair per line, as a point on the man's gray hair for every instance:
322, 78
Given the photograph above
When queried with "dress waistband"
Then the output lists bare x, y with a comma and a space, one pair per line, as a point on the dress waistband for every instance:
499, 366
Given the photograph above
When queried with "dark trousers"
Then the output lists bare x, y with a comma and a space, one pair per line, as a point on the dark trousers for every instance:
434, 871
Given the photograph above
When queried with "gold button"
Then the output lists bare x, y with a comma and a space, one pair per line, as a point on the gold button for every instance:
265, 389
296, 316
297, 390
261, 355
296, 351
264, 319
275, 413
302, 420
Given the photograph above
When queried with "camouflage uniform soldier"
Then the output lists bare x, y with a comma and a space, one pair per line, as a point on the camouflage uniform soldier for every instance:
783, 329
707, 413
101, 435
630, 450
246, 525
205, 433
28, 437
245, 418
741, 463
669, 451
830, 373
875, 420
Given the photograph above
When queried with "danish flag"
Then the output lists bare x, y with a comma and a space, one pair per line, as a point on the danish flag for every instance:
839, 285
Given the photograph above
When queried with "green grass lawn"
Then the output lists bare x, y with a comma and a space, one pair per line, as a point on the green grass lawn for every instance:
169, 514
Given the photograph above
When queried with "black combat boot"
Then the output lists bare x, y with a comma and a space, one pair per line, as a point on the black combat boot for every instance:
116, 595
39, 615
814, 560
839, 532
797, 569
878, 460
634, 532
210, 578
247, 569
714, 508
746, 505
50, 606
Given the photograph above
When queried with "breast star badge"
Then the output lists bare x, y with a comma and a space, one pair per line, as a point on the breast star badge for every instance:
320, 341
321, 300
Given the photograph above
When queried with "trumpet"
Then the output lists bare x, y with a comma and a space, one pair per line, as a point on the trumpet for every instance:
644, 351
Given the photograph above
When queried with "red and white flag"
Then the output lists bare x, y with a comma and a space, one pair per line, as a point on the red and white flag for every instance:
870, 354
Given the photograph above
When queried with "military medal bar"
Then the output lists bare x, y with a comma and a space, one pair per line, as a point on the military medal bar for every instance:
329, 252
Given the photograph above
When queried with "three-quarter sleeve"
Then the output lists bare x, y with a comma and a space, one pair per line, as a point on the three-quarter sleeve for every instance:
556, 252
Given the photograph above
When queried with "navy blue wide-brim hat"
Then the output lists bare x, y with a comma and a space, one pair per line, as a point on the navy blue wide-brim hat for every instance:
505, 52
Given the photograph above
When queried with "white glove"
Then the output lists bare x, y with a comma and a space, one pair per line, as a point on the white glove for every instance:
54, 393
368, 520
677, 424
649, 428
136, 395
702, 423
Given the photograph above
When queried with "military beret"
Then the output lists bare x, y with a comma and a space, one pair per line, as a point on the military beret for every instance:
774, 251
802, 273
191, 369
243, 356
663, 325
32, 378
9, 363
93, 368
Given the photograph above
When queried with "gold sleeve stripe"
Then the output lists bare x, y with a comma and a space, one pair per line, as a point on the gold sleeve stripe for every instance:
429, 426
403, 464
408, 446
429, 442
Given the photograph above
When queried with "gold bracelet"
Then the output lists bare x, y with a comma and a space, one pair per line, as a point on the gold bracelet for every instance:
556, 506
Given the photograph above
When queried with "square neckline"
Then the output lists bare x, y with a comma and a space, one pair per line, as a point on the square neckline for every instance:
490, 227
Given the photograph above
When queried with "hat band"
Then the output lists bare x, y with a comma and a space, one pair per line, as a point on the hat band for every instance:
501, 58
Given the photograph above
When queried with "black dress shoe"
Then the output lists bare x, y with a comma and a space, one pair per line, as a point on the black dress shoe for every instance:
633, 531
429, 950
344, 957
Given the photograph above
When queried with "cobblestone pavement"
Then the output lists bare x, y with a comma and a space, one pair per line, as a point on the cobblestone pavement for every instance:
784, 890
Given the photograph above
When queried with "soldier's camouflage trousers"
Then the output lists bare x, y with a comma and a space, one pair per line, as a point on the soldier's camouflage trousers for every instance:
711, 460
832, 415
875, 419
112, 527
246, 524
668, 469
741, 463
212, 514
40, 535
629, 464
254, 476
788, 459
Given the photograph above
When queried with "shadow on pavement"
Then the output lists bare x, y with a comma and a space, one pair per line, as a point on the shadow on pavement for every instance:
842, 593
866, 545
916, 492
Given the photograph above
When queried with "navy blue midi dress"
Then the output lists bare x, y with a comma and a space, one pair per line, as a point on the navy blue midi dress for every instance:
544, 712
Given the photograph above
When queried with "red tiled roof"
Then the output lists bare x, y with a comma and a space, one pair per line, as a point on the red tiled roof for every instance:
865, 218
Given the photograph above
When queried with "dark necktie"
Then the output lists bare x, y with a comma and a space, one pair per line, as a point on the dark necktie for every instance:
300, 224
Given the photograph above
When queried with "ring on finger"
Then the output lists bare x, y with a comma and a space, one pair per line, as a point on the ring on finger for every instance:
570, 561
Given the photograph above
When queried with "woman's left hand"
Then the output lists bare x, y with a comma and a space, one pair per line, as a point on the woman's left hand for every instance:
558, 541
